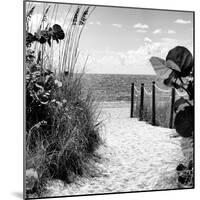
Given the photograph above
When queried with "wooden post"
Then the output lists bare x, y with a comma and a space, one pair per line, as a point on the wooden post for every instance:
153, 104
132, 100
172, 108
141, 102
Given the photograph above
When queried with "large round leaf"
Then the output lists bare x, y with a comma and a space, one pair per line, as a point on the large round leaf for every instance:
29, 39
184, 121
160, 68
44, 36
179, 104
170, 81
58, 32
182, 57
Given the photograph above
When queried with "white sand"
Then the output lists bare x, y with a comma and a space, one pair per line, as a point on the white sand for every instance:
136, 157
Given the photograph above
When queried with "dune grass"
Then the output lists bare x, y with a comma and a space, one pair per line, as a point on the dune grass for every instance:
62, 129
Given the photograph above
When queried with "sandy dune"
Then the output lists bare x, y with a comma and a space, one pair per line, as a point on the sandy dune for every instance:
136, 157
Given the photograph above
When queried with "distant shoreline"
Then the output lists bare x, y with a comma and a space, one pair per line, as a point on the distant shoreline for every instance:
115, 87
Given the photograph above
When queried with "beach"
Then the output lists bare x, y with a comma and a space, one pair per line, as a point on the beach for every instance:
135, 157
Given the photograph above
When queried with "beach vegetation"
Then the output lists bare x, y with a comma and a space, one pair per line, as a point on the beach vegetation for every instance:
62, 129
178, 72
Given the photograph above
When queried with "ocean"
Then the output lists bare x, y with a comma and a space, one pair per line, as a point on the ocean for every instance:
115, 87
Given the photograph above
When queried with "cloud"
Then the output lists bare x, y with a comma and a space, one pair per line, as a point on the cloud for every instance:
171, 31
116, 62
141, 31
98, 23
169, 40
182, 21
157, 31
141, 26
132, 61
117, 25
111, 62
147, 40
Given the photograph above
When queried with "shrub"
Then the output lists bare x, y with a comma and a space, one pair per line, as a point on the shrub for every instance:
179, 65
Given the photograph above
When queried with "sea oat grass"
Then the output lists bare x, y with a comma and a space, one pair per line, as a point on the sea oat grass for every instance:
62, 129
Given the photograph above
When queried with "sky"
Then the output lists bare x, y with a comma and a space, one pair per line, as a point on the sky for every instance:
121, 40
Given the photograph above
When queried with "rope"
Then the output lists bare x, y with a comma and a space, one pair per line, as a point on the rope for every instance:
162, 90
148, 93
136, 89
181, 94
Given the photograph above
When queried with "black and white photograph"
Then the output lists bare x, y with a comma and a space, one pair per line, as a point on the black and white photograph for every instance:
108, 99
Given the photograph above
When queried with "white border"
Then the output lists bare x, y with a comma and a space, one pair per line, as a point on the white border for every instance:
11, 100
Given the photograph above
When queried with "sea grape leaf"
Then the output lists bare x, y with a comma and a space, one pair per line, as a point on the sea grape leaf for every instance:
160, 68
181, 167
176, 85
182, 57
184, 122
172, 65
29, 39
43, 36
58, 32
180, 102
170, 80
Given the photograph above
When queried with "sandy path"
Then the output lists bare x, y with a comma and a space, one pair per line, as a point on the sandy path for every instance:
136, 157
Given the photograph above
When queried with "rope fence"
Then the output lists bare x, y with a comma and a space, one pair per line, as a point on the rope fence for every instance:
136, 89
143, 93
148, 93
180, 94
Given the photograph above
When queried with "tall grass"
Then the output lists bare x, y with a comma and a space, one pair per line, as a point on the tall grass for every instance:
62, 129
